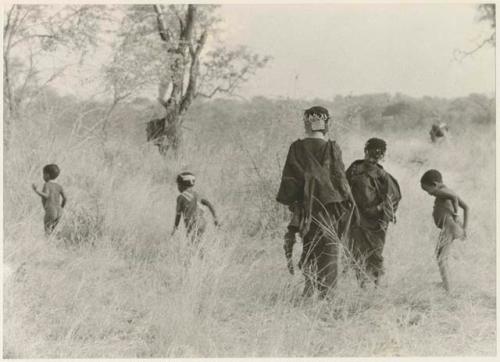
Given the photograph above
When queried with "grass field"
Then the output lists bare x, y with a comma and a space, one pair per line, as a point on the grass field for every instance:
112, 283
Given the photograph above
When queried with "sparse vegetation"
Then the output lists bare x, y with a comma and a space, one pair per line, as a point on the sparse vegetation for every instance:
112, 283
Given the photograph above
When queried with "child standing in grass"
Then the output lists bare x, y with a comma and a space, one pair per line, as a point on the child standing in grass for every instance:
188, 206
445, 216
51, 194
377, 196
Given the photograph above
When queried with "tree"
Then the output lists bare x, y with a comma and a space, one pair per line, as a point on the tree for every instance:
30, 33
486, 13
166, 45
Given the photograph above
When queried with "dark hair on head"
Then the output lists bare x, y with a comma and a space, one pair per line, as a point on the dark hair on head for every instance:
430, 177
317, 110
376, 144
185, 179
52, 170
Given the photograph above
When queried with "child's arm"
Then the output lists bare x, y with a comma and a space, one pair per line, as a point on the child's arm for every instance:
178, 213
64, 198
391, 197
464, 207
176, 223
42, 194
207, 203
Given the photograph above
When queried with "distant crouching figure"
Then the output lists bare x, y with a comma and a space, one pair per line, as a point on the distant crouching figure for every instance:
438, 132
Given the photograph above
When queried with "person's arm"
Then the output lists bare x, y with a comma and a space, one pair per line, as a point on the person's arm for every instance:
64, 198
178, 213
391, 195
207, 203
348, 176
464, 207
176, 223
338, 171
292, 179
42, 194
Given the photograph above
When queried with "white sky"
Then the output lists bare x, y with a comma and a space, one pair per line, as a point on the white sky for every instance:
320, 50
360, 48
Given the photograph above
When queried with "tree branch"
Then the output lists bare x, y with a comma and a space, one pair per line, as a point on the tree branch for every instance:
195, 52
179, 18
6, 27
20, 40
12, 29
31, 73
162, 91
193, 71
460, 55
165, 34
187, 32
231, 87
6, 59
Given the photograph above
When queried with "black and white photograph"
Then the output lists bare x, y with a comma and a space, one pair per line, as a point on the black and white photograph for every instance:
249, 180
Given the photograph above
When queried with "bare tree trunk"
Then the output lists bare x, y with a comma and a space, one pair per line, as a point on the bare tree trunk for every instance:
177, 103
173, 132
9, 111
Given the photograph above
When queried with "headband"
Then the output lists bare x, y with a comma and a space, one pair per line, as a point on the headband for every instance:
317, 121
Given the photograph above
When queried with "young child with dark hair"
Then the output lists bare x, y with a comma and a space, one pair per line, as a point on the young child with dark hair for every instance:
52, 194
377, 196
445, 216
189, 207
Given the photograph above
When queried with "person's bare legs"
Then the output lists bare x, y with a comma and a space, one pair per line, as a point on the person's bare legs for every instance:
443, 252
451, 230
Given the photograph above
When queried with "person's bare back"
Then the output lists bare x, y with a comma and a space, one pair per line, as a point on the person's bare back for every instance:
53, 198
52, 204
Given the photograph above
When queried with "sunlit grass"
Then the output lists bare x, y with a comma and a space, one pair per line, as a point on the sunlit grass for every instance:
113, 283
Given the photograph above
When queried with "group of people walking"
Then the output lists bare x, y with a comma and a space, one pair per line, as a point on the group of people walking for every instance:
331, 207
334, 208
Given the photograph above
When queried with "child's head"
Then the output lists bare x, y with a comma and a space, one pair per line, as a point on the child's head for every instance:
316, 119
431, 180
50, 172
375, 150
185, 180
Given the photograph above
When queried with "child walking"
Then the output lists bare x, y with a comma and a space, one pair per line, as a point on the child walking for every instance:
188, 206
445, 216
52, 194
377, 196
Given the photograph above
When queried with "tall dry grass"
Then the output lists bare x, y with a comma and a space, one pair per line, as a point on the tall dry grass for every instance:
113, 283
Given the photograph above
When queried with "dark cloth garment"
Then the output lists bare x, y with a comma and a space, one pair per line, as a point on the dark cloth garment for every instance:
367, 247
52, 205
377, 195
188, 205
374, 187
314, 185
316, 159
313, 173
320, 251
